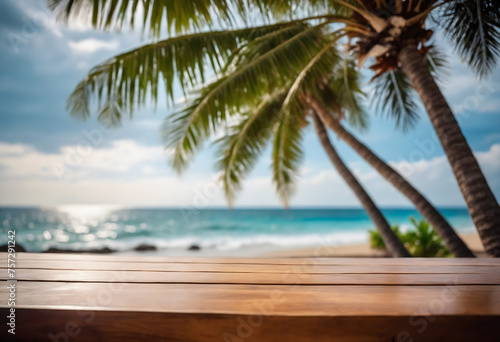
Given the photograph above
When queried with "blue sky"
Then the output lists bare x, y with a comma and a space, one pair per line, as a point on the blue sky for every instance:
48, 158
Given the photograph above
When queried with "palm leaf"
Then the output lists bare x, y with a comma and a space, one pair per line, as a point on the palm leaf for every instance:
474, 28
245, 141
243, 87
437, 62
321, 64
133, 75
343, 93
395, 97
280, 9
185, 133
185, 16
287, 153
178, 16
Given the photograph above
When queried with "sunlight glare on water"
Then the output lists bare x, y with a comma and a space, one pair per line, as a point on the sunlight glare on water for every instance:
86, 214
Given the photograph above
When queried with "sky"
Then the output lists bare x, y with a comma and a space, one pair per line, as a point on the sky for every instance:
47, 158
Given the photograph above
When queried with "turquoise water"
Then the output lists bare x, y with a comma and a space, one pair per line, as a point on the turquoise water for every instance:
87, 227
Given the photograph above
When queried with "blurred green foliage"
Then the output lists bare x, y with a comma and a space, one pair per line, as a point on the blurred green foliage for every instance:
421, 241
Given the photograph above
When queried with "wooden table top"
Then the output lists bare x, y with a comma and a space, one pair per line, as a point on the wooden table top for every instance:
304, 288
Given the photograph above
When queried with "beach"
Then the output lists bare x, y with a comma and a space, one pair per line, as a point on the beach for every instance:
319, 250
362, 250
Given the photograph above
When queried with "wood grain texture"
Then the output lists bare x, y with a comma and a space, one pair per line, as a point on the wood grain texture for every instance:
111, 326
307, 267
116, 298
252, 278
265, 261
286, 300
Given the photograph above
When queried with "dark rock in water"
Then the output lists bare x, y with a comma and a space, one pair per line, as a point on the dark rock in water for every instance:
145, 247
17, 248
194, 248
104, 250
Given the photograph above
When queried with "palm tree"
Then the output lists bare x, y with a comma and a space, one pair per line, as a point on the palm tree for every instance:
473, 27
395, 247
245, 141
185, 130
332, 119
261, 118
395, 35
442, 227
390, 33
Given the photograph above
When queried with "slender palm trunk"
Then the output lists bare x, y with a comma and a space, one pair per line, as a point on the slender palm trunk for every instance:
441, 226
392, 242
483, 207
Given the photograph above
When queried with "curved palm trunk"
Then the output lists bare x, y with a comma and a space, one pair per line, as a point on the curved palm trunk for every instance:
392, 242
441, 226
483, 207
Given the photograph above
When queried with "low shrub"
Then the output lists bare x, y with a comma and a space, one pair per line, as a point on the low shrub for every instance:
421, 241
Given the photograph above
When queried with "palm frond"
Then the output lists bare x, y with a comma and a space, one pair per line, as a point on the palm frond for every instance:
177, 16
321, 64
110, 113
252, 50
240, 89
437, 62
280, 9
182, 60
185, 131
287, 153
187, 16
245, 141
343, 92
395, 97
473, 26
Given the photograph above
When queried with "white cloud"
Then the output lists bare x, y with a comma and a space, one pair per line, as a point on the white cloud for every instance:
469, 94
77, 161
490, 160
127, 173
156, 191
92, 45
435, 179
13, 149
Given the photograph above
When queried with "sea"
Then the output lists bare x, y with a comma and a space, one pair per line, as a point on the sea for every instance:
189, 231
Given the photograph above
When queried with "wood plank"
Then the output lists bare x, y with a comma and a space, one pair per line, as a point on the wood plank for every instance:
252, 278
279, 300
112, 326
266, 261
182, 299
252, 268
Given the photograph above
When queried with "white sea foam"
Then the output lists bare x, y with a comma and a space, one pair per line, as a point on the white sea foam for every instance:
228, 243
